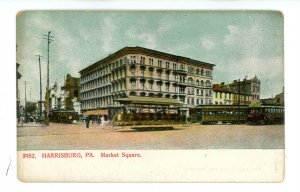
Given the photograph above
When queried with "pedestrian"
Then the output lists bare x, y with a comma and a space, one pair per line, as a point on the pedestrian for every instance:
119, 117
22, 120
102, 121
87, 122
98, 120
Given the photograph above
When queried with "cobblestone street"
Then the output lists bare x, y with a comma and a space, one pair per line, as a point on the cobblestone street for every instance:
33, 136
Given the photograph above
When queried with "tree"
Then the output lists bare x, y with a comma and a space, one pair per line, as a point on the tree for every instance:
30, 108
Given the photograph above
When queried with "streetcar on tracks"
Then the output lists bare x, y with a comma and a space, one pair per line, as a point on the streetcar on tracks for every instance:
63, 116
237, 114
216, 114
266, 114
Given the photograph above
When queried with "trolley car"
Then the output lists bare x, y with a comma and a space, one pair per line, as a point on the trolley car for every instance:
253, 114
63, 116
212, 114
266, 114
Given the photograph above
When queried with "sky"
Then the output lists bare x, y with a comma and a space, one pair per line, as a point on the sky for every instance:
240, 43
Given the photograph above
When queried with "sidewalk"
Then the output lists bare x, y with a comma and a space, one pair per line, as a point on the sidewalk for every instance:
30, 124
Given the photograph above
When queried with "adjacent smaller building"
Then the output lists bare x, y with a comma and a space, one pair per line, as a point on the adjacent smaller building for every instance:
57, 97
277, 100
65, 96
222, 95
248, 89
237, 93
71, 91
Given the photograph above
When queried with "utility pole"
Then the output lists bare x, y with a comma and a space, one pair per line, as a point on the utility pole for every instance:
245, 90
25, 109
40, 103
49, 39
239, 100
25, 95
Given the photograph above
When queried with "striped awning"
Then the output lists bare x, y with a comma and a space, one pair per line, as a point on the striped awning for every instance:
148, 100
96, 112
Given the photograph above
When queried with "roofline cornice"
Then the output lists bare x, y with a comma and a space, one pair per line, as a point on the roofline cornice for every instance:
148, 52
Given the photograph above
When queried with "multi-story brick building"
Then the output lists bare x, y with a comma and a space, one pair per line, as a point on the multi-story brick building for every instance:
62, 97
71, 90
238, 92
249, 88
57, 97
222, 95
137, 71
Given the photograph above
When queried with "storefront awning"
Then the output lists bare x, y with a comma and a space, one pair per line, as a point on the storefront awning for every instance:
96, 112
148, 100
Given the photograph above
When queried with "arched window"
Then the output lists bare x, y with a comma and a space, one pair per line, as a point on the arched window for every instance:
190, 81
133, 59
181, 67
202, 71
133, 85
208, 83
202, 83
174, 66
198, 82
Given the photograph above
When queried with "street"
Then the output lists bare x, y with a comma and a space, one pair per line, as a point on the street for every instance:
34, 136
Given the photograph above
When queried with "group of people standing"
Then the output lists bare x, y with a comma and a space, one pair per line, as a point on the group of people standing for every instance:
100, 120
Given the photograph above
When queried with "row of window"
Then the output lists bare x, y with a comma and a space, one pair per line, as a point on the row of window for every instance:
119, 86
176, 66
104, 81
220, 95
106, 69
180, 78
108, 90
107, 80
193, 101
120, 74
109, 101
175, 88
103, 91
236, 97
98, 102
191, 91
103, 70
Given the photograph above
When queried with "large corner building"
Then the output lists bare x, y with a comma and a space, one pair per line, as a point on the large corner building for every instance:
140, 72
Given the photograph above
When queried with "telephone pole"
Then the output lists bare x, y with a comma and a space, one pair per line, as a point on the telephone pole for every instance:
25, 104
49, 39
40, 103
25, 94
239, 99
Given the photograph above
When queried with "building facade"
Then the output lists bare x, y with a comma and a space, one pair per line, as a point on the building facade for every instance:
237, 93
65, 96
137, 71
57, 97
248, 89
222, 95
71, 91
277, 100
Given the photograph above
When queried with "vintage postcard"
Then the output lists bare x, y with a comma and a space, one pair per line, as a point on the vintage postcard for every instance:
150, 96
